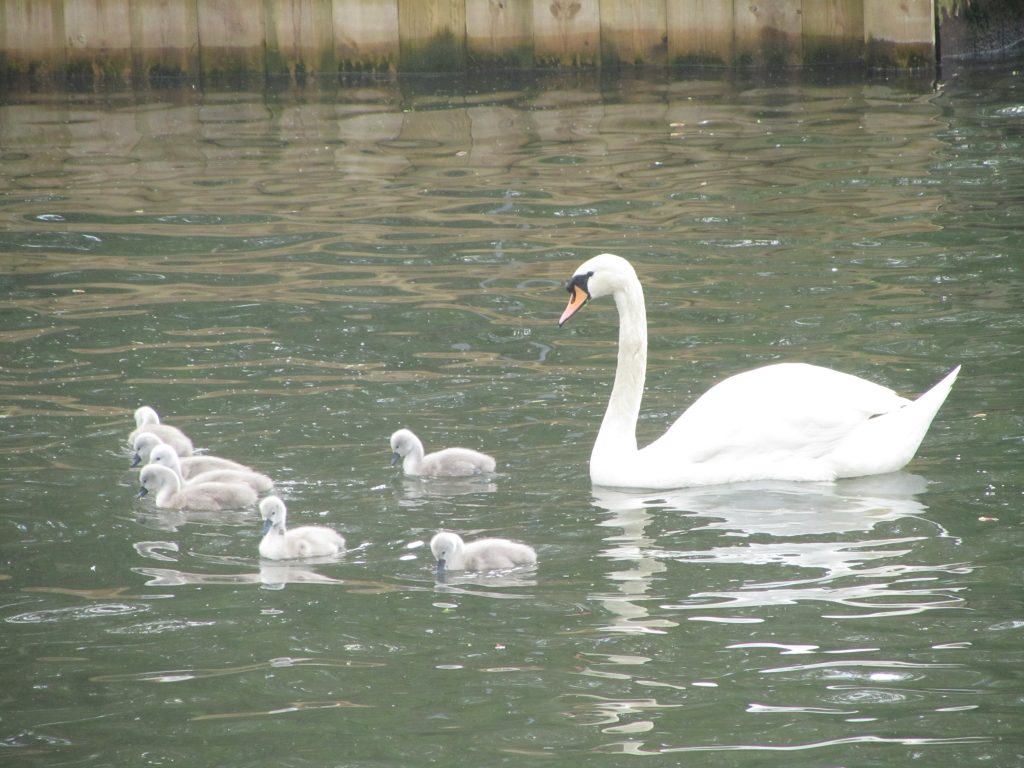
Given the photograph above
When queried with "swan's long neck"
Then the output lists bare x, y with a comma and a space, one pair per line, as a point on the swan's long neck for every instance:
170, 487
617, 436
412, 460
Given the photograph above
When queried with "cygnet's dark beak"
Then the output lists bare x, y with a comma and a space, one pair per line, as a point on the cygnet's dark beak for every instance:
136, 460
395, 458
267, 525
440, 568
142, 492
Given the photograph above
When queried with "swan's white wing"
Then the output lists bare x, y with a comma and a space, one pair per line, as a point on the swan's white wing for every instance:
775, 413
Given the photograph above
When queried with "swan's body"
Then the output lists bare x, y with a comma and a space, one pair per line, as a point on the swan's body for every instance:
188, 468
454, 554
219, 471
147, 420
171, 494
279, 543
788, 421
450, 462
256, 480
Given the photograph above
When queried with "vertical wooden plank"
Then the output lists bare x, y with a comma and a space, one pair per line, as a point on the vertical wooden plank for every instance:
700, 32
833, 32
497, 135
899, 34
165, 39
499, 32
768, 32
32, 38
567, 32
633, 32
432, 35
231, 38
98, 36
300, 38
366, 35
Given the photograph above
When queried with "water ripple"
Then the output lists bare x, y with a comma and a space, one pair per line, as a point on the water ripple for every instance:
77, 613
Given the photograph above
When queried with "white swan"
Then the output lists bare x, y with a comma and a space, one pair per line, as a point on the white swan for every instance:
171, 494
453, 554
788, 421
187, 468
166, 456
147, 420
279, 543
450, 462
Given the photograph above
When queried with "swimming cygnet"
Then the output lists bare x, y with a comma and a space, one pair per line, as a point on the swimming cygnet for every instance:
450, 462
279, 543
453, 554
147, 420
165, 455
171, 494
191, 466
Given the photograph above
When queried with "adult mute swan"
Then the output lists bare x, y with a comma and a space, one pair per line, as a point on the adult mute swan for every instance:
787, 421
454, 554
147, 420
279, 543
450, 462
171, 494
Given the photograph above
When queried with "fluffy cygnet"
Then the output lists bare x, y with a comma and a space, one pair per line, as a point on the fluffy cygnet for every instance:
450, 462
165, 455
188, 468
279, 543
453, 554
147, 420
171, 494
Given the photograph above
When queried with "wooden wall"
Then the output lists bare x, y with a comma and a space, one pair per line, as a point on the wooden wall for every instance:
140, 40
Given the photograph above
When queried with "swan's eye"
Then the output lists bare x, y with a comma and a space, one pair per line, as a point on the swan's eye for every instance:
579, 281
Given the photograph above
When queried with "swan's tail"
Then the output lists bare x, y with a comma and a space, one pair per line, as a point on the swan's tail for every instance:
887, 443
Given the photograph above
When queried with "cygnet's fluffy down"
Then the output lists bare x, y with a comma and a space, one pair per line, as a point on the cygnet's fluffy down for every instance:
171, 494
450, 462
279, 543
453, 554
165, 456
147, 420
190, 467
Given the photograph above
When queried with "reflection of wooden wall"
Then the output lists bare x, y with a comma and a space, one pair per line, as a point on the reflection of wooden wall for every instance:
114, 40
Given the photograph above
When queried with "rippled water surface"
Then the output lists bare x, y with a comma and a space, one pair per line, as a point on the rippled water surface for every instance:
289, 277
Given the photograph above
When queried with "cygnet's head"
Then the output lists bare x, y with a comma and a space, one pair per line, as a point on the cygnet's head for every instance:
403, 442
143, 447
165, 455
443, 546
146, 415
600, 276
154, 477
273, 512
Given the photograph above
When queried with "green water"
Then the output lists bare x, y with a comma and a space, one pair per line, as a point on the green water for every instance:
291, 277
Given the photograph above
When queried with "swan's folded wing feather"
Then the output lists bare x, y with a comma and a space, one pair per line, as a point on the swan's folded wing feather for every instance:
788, 410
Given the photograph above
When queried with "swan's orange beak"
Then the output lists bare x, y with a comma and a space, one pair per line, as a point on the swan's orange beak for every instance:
577, 299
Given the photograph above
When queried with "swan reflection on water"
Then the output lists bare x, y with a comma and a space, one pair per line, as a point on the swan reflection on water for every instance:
272, 575
415, 491
170, 520
773, 523
780, 508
